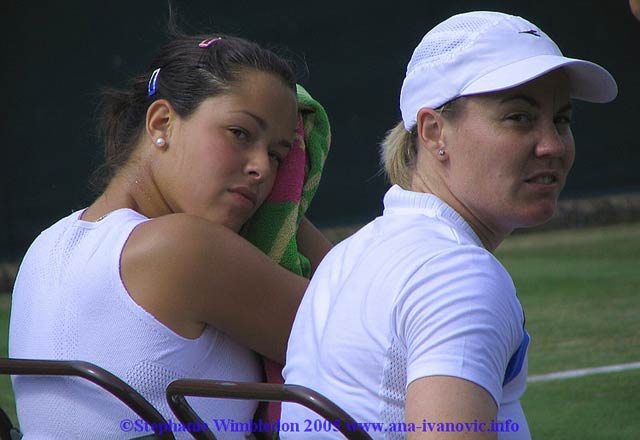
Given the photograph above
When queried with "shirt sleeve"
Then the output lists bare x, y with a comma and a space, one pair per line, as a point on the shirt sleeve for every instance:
458, 315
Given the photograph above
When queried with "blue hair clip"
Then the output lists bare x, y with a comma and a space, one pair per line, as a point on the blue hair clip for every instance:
151, 87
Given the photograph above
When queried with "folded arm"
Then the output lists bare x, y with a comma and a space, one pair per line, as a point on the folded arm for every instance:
312, 243
188, 273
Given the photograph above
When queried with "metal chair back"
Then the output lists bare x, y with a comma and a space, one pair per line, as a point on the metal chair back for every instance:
265, 392
96, 375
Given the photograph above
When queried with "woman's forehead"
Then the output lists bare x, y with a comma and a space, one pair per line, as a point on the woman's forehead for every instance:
554, 86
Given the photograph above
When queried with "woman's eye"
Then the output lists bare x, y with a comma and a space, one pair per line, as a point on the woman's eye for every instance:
276, 157
239, 133
563, 120
520, 117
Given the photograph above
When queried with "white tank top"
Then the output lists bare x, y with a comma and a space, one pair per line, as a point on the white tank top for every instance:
69, 302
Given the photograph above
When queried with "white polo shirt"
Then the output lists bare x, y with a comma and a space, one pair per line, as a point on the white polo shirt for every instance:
412, 294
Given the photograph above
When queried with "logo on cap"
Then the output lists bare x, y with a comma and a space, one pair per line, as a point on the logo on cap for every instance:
531, 32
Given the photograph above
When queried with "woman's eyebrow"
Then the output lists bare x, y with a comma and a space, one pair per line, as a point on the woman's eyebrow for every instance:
261, 122
529, 99
565, 108
534, 103
264, 125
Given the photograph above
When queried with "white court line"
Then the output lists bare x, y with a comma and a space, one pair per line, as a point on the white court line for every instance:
583, 372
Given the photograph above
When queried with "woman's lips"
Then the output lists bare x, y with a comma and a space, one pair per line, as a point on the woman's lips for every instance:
244, 193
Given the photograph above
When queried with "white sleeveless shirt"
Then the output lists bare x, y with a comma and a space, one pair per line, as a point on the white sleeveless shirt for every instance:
69, 302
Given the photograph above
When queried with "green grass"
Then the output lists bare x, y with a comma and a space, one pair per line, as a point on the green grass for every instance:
581, 293
604, 406
6, 393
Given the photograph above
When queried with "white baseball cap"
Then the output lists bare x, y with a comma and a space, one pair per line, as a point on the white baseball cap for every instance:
480, 52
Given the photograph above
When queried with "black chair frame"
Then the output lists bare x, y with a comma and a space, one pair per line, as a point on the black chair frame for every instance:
265, 392
96, 375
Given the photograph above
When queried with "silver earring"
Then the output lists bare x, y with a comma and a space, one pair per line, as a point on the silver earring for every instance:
441, 152
160, 142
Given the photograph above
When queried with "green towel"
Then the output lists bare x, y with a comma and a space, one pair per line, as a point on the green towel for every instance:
273, 227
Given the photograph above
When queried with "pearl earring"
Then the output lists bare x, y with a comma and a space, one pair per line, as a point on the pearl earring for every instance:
160, 142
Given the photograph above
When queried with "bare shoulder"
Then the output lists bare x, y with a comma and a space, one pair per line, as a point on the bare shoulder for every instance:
184, 233
170, 261
189, 273
184, 251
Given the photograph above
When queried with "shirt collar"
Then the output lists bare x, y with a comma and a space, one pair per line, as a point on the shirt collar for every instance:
401, 201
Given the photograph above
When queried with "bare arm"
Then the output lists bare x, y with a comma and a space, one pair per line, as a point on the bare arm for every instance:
188, 272
312, 243
447, 399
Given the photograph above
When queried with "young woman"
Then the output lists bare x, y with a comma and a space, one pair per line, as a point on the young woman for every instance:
152, 280
412, 324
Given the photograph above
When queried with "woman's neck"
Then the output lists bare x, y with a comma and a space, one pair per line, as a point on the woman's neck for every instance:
490, 238
129, 188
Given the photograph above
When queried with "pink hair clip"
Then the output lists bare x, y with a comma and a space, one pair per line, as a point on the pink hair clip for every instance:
206, 43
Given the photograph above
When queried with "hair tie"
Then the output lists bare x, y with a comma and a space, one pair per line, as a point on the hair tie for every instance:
206, 43
151, 87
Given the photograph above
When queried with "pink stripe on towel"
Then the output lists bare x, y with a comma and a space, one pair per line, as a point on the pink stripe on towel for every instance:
273, 373
290, 177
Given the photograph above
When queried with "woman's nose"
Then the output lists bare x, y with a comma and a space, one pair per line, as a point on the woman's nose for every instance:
555, 141
258, 165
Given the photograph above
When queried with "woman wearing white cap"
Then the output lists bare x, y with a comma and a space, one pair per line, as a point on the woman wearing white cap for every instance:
411, 324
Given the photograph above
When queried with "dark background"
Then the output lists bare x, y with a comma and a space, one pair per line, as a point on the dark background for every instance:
56, 55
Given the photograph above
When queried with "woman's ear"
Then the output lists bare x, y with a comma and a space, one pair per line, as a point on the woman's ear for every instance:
430, 131
160, 117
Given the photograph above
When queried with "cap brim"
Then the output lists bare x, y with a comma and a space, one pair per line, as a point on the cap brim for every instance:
589, 81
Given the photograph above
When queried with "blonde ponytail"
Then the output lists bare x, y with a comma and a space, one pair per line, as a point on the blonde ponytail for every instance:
398, 156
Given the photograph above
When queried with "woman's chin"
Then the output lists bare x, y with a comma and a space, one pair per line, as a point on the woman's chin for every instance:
539, 216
